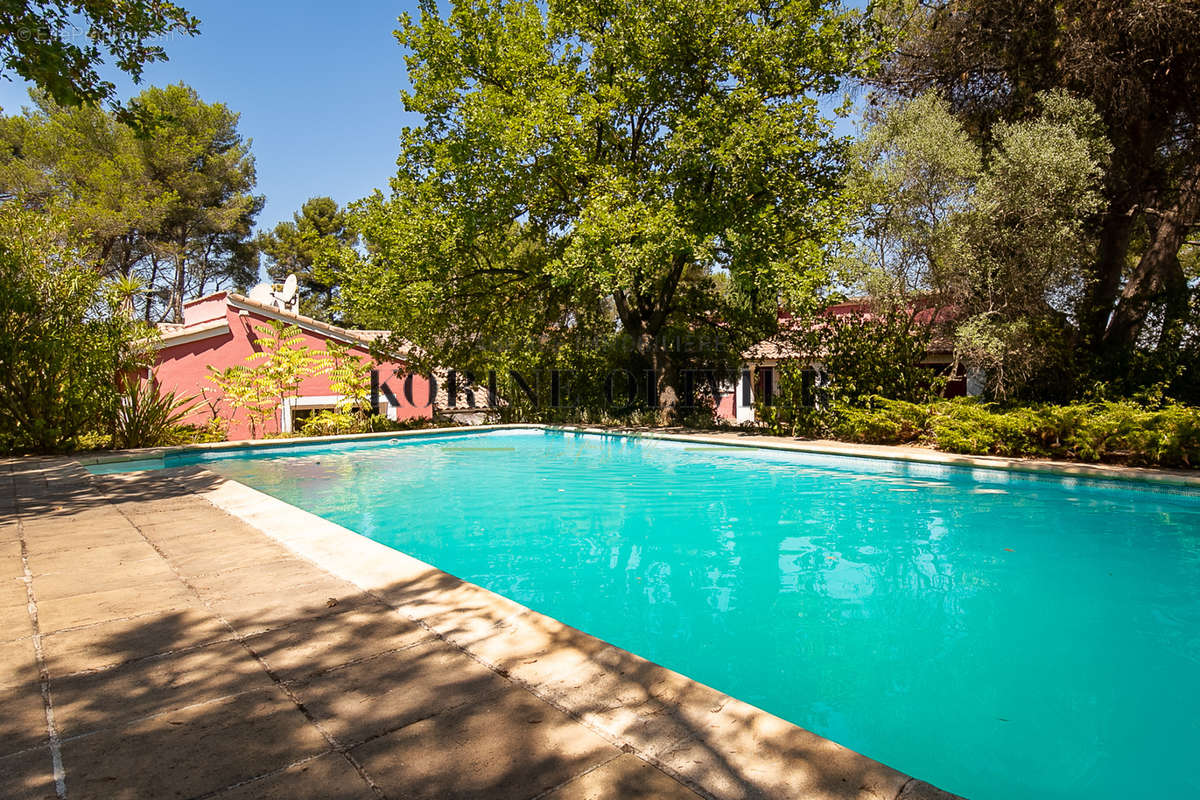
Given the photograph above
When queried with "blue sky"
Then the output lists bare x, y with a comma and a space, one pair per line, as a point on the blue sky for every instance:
317, 84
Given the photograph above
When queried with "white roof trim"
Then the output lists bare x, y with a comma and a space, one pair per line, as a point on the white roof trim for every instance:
207, 330
307, 323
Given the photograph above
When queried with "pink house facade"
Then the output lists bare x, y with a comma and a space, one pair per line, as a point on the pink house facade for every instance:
221, 331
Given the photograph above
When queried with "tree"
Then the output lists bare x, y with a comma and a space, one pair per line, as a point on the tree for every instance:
64, 344
592, 171
997, 237
913, 176
1137, 63
170, 204
312, 246
197, 157
349, 378
38, 42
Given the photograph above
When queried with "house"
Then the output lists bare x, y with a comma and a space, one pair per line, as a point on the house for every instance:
759, 373
221, 330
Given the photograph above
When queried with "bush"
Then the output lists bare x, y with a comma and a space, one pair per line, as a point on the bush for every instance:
63, 338
147, 417
1121, 432
973, 428
340, 423
884, 422
1113, 431
870, 354
335, 423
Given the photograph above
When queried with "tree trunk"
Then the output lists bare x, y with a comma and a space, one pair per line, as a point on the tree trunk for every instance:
1158, 278
177, 290
644, 318
1111, 252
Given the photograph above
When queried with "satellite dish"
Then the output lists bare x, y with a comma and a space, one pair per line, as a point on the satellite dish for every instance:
290, 287
262, 293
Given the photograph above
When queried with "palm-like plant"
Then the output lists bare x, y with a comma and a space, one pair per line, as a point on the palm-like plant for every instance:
146, 416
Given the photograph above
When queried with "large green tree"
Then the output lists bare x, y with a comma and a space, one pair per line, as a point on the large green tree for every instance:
312, 246
195, 154
170, 204
607, 169
995, 236
40, 41
1138, 63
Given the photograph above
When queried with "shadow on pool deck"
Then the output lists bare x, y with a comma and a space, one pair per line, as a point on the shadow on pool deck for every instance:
187, 654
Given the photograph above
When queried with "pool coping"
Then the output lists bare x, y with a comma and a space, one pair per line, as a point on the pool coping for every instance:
718, 746
1068, 469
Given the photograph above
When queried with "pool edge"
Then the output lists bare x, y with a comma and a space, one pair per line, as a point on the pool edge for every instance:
1066, 469
717, 745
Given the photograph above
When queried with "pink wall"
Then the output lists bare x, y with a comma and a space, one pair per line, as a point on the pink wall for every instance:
205, 308
183, 368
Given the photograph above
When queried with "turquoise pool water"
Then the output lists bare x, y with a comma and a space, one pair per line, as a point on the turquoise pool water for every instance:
996, 634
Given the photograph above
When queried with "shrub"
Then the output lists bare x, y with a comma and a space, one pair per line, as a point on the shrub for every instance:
975, 428
865, 355
884, 422
334, 423
1124, 432
341, 423
63, 338
1112, 431
147, 417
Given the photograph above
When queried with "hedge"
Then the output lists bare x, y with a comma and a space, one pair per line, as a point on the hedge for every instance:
1124, 432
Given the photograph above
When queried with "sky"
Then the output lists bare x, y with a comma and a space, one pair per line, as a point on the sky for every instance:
317, 85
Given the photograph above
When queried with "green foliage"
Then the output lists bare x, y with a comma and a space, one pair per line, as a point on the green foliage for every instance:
586, 173
40, 41
913, 174
1124, 432
283, 360
996, 62
169, 204
334, 423
239, 389
869, 354
313, 245
792, 412
884, 421
349, 378
274, 372
149, 417
999, 235
63, 342
341, 423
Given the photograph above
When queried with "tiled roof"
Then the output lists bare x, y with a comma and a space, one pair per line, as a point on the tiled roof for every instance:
170, 330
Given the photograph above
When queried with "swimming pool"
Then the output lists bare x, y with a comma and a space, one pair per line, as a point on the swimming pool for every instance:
994, 633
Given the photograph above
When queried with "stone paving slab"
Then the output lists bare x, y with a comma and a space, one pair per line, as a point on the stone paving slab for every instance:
191, 751
18, 663
329, 777
513, 742
367, 699
91, 701
626, 777
108, 644
28, 776
186, 653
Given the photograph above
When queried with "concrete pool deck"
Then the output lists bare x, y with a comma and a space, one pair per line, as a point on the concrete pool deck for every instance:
174, 634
